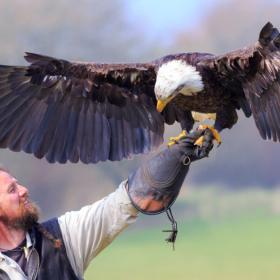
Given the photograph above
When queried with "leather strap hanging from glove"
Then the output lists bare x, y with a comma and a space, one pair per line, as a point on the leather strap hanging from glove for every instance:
154, 187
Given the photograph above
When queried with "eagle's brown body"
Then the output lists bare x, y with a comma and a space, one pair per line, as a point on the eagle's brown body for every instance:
94, 112
212, 104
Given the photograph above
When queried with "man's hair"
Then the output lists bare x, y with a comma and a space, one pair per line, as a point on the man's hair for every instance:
57, 243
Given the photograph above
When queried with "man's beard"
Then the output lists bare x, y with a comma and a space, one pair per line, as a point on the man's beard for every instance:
26, 218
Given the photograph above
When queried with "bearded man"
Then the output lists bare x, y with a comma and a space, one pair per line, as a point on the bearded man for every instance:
62, 248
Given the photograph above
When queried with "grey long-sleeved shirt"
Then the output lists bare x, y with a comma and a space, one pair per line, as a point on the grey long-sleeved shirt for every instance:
86, 232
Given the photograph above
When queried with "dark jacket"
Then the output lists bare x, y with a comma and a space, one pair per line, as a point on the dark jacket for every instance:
46, 262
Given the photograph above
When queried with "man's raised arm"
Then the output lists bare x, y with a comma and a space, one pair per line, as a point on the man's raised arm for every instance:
151, 189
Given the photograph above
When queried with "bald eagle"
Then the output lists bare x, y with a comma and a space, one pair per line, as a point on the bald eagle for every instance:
71, 111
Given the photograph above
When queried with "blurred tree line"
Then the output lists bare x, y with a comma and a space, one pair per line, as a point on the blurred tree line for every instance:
100, 31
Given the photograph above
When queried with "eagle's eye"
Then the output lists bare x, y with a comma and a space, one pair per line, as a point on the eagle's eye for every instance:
179, 88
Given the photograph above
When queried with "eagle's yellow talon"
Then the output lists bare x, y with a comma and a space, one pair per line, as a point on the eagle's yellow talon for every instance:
174, 140
183, 134
199, 141
171, 143
215, 133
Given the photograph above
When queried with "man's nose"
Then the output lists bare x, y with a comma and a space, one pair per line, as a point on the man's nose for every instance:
23, 191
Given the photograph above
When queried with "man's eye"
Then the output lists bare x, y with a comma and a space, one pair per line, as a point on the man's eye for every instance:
179, 87
12, 189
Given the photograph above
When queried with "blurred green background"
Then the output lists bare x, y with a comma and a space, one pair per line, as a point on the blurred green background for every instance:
228, 211
222, 235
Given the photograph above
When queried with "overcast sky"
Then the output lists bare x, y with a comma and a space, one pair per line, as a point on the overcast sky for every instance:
162, 18
167, 16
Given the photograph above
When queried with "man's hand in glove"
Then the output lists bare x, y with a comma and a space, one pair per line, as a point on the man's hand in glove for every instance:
156, 184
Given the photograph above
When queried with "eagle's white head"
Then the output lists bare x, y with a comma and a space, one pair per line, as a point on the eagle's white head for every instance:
176, 77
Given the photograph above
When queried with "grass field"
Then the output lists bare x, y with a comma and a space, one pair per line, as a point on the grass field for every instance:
243, 246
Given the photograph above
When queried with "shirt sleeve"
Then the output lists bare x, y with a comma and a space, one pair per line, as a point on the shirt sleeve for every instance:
88, 231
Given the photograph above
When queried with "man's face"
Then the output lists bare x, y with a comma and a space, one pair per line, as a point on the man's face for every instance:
16, 211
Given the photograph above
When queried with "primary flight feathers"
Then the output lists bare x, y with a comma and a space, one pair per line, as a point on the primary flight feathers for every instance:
71, 111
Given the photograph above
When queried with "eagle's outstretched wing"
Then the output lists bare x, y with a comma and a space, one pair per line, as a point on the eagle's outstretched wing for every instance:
252, 75
78, 111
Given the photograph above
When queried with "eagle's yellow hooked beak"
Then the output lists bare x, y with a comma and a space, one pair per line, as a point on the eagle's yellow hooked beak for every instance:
161, 105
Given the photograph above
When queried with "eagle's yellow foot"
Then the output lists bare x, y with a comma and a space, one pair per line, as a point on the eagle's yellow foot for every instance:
174, 140
216, 135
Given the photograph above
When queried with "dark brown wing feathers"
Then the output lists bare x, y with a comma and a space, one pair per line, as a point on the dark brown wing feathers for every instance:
252, 76
77, 111
263, 90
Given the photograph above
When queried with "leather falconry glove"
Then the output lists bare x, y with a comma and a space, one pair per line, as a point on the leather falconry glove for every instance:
155, 185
